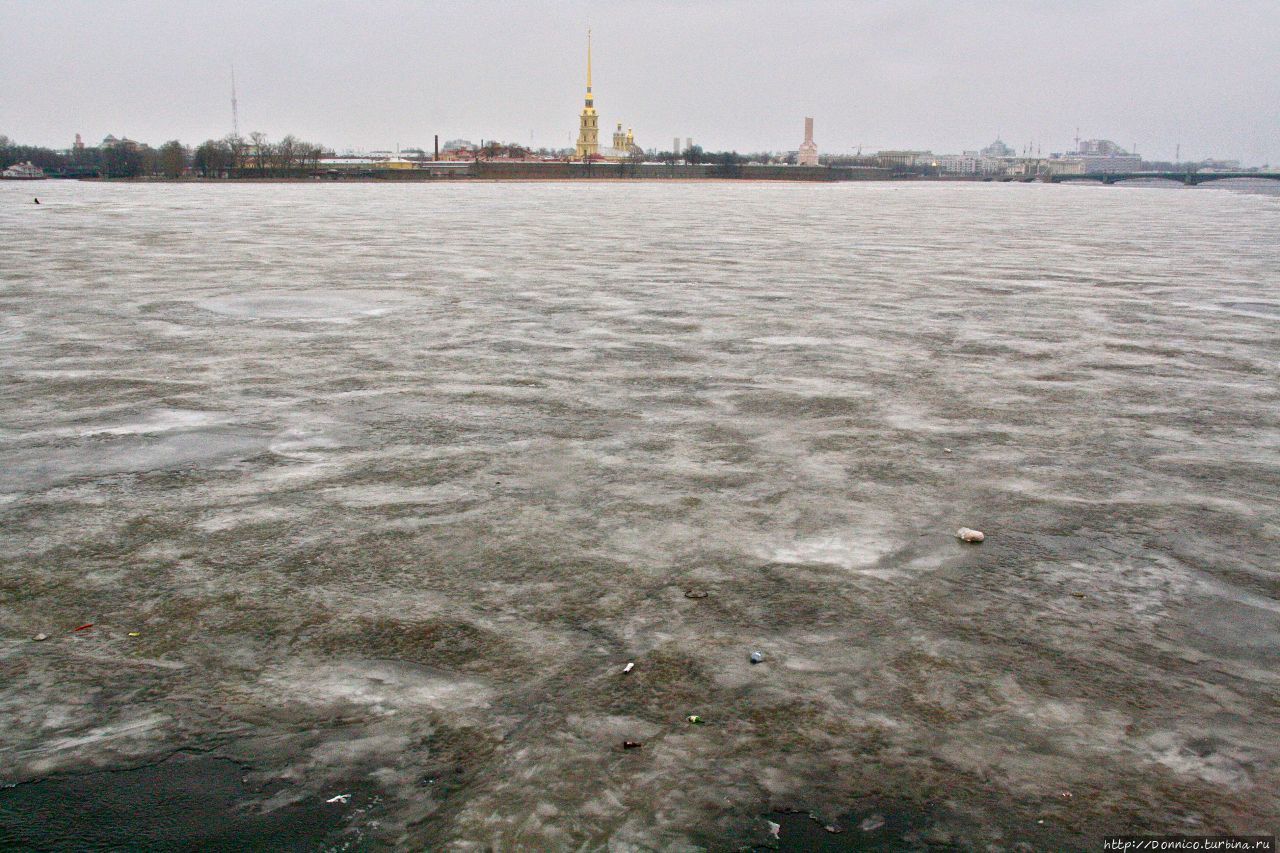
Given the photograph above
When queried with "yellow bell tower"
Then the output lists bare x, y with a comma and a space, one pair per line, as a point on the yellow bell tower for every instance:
588, 131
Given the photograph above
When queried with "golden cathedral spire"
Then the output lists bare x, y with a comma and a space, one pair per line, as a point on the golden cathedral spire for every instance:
588, 130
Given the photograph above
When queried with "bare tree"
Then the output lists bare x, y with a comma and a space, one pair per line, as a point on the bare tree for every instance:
634, 159
214, 158
260, 150
309, 155
286, 154
239, 150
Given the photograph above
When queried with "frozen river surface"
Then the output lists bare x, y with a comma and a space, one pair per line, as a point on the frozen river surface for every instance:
390, 482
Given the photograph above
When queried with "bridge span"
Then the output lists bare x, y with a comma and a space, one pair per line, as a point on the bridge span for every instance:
1188, 178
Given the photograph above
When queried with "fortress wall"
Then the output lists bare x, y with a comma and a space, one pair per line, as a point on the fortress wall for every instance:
499, 170
515, 171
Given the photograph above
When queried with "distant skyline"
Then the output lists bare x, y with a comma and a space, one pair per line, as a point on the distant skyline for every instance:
946, 76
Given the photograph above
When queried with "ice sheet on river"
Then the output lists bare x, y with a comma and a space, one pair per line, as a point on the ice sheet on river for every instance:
390, 482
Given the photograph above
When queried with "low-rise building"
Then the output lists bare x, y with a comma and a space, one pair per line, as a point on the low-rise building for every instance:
973, 163
1099, 148
362, 164
1063, 166
955, 164
1103, 155
1117, 163
905, 158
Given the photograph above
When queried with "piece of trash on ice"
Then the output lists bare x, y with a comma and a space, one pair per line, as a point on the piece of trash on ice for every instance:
774, 828
630, 665
85, 626
871, 823
964, 534
340, 798
695, 719
756, 657
631, 744
40, 637
695, 593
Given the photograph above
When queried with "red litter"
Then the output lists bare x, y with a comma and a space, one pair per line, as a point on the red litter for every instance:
85, 626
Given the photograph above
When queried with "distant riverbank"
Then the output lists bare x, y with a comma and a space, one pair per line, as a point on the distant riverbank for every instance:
526, 171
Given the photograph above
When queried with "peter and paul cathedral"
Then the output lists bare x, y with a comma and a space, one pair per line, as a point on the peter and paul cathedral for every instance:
588, 147
588, 122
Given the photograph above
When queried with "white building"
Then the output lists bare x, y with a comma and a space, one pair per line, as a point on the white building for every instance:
956, 164
1118, 163
1064, 166
969, 163
905, 158
1103, 155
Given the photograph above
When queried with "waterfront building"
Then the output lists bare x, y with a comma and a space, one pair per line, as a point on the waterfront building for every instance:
956, 164
362, 164
1064, 166
1099, 148
1103, 155
968, 163
27, 171
1120, 163
905, 158
808, 154
1218, 166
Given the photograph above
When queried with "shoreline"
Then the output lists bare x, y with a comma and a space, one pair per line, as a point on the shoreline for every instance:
708, 179
547, 180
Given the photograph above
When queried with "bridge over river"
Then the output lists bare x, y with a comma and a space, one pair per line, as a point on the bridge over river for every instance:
1188, 178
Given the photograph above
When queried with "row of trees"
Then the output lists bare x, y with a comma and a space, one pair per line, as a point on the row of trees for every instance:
11, 152
231, 156
495, 150
235, 156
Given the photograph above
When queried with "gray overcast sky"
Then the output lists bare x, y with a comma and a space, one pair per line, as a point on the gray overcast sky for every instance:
736, 74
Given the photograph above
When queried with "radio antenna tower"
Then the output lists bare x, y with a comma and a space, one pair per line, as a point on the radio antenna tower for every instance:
235, 107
